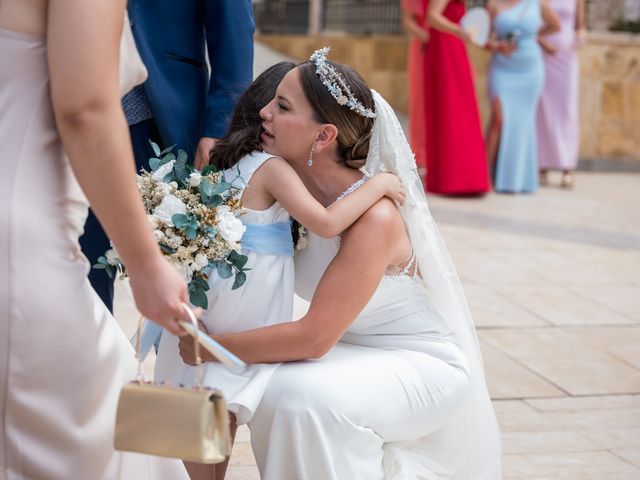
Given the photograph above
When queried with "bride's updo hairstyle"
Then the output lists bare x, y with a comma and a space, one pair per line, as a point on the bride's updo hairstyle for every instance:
354, 130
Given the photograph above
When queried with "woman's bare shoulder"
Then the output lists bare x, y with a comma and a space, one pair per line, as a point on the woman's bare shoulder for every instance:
382, 219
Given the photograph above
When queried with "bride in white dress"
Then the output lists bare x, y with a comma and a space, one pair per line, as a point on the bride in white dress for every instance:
384, 376
63, 358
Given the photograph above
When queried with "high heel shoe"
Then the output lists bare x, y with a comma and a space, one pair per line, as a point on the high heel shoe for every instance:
542, 178
567, 180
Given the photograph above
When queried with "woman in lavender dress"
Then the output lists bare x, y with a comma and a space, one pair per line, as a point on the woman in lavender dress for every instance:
557, 121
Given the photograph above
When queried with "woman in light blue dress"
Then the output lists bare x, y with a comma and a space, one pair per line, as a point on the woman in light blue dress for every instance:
516, 78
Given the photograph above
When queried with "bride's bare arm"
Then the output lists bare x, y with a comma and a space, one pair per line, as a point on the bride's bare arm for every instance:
83, 41
345, 288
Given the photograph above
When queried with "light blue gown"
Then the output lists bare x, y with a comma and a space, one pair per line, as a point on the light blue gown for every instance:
517, 81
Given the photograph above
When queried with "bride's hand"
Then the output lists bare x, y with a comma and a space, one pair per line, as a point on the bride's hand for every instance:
392, 186
159, 292
187, 346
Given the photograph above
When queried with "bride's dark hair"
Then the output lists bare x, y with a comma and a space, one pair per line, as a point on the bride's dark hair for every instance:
243, 136
354, 130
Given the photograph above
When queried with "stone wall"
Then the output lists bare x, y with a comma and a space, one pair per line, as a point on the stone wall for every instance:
609, 90
601, 14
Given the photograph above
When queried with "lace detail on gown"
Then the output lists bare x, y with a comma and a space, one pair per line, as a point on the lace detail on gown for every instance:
352, 188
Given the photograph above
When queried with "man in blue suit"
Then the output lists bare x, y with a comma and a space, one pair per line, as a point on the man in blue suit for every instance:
181, 103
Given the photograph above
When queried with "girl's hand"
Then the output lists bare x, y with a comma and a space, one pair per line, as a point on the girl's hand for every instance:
391, 186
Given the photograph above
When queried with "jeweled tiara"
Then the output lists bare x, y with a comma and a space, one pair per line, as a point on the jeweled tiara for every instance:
336, 84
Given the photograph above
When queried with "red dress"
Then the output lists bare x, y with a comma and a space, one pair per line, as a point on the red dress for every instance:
456, 158
415, 63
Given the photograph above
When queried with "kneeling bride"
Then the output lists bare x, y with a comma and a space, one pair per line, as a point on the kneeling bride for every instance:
383, 377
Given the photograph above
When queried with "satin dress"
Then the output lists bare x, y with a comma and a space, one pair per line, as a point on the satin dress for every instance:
557, 120
517, 81
63, 357
374, 406
456, 157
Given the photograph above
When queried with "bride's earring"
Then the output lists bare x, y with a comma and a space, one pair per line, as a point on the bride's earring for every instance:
310, 161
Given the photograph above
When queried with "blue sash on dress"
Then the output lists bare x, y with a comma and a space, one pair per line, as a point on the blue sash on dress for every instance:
268, 238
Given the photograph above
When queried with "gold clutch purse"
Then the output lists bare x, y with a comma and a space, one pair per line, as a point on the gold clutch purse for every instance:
190, 423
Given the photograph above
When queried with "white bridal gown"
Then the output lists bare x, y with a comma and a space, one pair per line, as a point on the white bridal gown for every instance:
63, 357
375, 405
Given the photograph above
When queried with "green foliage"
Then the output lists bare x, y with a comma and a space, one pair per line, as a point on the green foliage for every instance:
198, 288
188, 223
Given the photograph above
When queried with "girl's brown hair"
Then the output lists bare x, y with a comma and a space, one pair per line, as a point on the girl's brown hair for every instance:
243, 136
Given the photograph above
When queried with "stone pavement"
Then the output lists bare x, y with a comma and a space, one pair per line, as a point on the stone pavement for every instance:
553, 281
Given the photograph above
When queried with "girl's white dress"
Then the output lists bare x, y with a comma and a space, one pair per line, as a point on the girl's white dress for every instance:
265, 299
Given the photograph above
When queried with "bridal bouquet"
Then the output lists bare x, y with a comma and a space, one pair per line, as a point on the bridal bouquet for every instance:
194, 217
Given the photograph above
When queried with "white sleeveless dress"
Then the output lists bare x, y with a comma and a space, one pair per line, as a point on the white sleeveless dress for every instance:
265, 299
373, 406
63, 357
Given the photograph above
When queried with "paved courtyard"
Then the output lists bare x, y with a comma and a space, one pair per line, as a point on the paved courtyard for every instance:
553, 281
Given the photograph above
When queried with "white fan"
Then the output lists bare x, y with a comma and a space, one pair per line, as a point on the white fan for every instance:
477, 23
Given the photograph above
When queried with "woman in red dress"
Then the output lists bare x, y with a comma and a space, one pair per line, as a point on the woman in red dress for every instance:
456, 158
414, 21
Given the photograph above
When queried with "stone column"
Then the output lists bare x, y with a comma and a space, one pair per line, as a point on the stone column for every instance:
315, 17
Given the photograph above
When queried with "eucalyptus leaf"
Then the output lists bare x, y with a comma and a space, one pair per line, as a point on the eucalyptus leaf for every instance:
182, 157
156, 148
99, 266
221, 187
238, 260
199, 281
180, 220
109, 270
191, 232
154, 164
167, 158
198, 298
208, 169
168, 149
182, 173
215, 201
206, 188
241, 277
224, 269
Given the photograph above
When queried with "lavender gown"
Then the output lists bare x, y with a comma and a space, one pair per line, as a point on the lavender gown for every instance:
557, 118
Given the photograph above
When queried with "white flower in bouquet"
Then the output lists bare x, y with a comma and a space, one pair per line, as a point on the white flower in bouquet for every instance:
112, 256
194, 179
158, 235
202, 260
169, 206
230, 227
163, 171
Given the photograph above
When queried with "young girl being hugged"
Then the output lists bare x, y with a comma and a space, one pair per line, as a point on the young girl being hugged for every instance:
273, 194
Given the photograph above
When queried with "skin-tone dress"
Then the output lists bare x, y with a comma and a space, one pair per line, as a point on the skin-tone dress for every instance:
63, 357
557, 120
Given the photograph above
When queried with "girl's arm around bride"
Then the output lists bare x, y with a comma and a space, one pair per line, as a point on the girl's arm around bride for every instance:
367, 248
